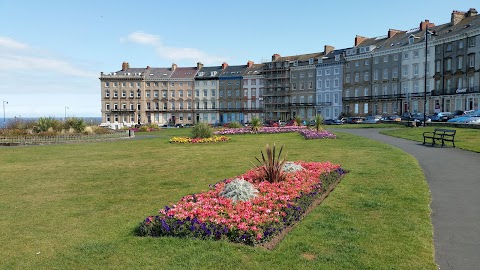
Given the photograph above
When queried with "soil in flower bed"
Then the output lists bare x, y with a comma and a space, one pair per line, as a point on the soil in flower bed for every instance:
262, 221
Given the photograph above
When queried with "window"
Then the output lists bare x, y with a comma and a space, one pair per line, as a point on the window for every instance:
347, 78
471, 60
460, 62
189, 93
131, 84
415, 54
229, 93
155, 94
294, 75
471, 42
197, 83
115, 94
139, 107
395, 57
405, 55
214, 104
327, 72
356, 92
147, 94
310, 85
205, 83
385, 59
366, 62
335, 98
365, 108
385, 90
138, 94
131, 94
172, 105
415, 69
357, 77
124, 94
365, 92
319, 72
395, 73
164, 105
356, 63
336, 83
172, 93
213, 93
107, 94
205, 105
254, 92
123, 84
448, 64
375, 60
327, 83
302, 75
294, 86
132, 107
172, 83
449, 47
197, 93
302, 85
205, 93
180, 93
336, 71
310, 74
415, 86
164, 93
385, 74
459, 83
107, 107
366, 76
375, 75
437, 66
405, 71
107, 84
237, 93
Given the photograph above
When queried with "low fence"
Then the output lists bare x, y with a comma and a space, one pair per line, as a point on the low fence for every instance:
64, 138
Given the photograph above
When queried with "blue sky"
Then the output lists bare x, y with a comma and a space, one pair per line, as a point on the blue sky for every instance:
52, 51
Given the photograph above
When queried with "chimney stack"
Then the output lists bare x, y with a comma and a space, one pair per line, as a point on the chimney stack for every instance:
224, 65
327, 49
457, 16
425, 24
472, 12
199, 65
250, 63
174, 67
125, 66
275, 57
392, 32
359, 39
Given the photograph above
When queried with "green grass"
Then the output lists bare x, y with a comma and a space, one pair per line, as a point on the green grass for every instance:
465, 138
380, 125
75, 206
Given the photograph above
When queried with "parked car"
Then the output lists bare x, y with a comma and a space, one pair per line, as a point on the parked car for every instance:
441, 116
466, 118
354, 120
391, 118
332, 122
179, 125
372, 119
417, 117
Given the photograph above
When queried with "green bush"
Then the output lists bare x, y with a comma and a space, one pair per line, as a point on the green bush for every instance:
49, 124
256, 124
202, 130
318, 122
77, 124
298, 120
234, 124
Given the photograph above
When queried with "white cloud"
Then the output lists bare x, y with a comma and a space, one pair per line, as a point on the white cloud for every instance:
19, 57
174, 54
12, 44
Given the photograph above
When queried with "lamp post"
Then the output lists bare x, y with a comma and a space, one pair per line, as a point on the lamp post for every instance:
4, 122
65, 119
427, 32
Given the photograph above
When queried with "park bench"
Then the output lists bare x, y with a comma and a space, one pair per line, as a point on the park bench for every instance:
440, 134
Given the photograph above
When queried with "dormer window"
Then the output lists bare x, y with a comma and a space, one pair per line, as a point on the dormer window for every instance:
411, 39
201, 73
295, 63
337, 57
310, 61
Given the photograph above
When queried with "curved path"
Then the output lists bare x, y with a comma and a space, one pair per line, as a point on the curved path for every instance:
453, 176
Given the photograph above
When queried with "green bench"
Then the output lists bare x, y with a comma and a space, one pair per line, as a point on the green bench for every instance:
440, 134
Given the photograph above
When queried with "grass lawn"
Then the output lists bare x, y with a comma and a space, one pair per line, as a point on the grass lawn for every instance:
465, 138
75, 206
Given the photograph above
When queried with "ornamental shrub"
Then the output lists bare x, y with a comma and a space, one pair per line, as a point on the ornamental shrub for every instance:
202, 130
45, 124
256, 124
298, 120
77, 124
234, 124
272, 165
239, 190
318, 122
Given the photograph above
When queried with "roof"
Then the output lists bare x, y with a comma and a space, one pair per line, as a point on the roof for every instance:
184, 73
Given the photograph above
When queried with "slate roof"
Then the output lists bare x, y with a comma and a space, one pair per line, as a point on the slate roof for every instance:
205, 73
233, 71
184, 73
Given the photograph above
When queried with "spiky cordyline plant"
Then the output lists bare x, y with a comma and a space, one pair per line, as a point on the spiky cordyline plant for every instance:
272, 164
256, 124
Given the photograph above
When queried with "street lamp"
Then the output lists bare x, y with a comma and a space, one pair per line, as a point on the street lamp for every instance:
427, 33
65, 119
4, 122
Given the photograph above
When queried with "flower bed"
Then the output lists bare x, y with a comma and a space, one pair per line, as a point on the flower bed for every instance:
309, 134
276, 207
306, 132
234, 131
199, 140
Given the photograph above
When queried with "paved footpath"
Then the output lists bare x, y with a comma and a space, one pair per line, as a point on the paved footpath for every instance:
453, 176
